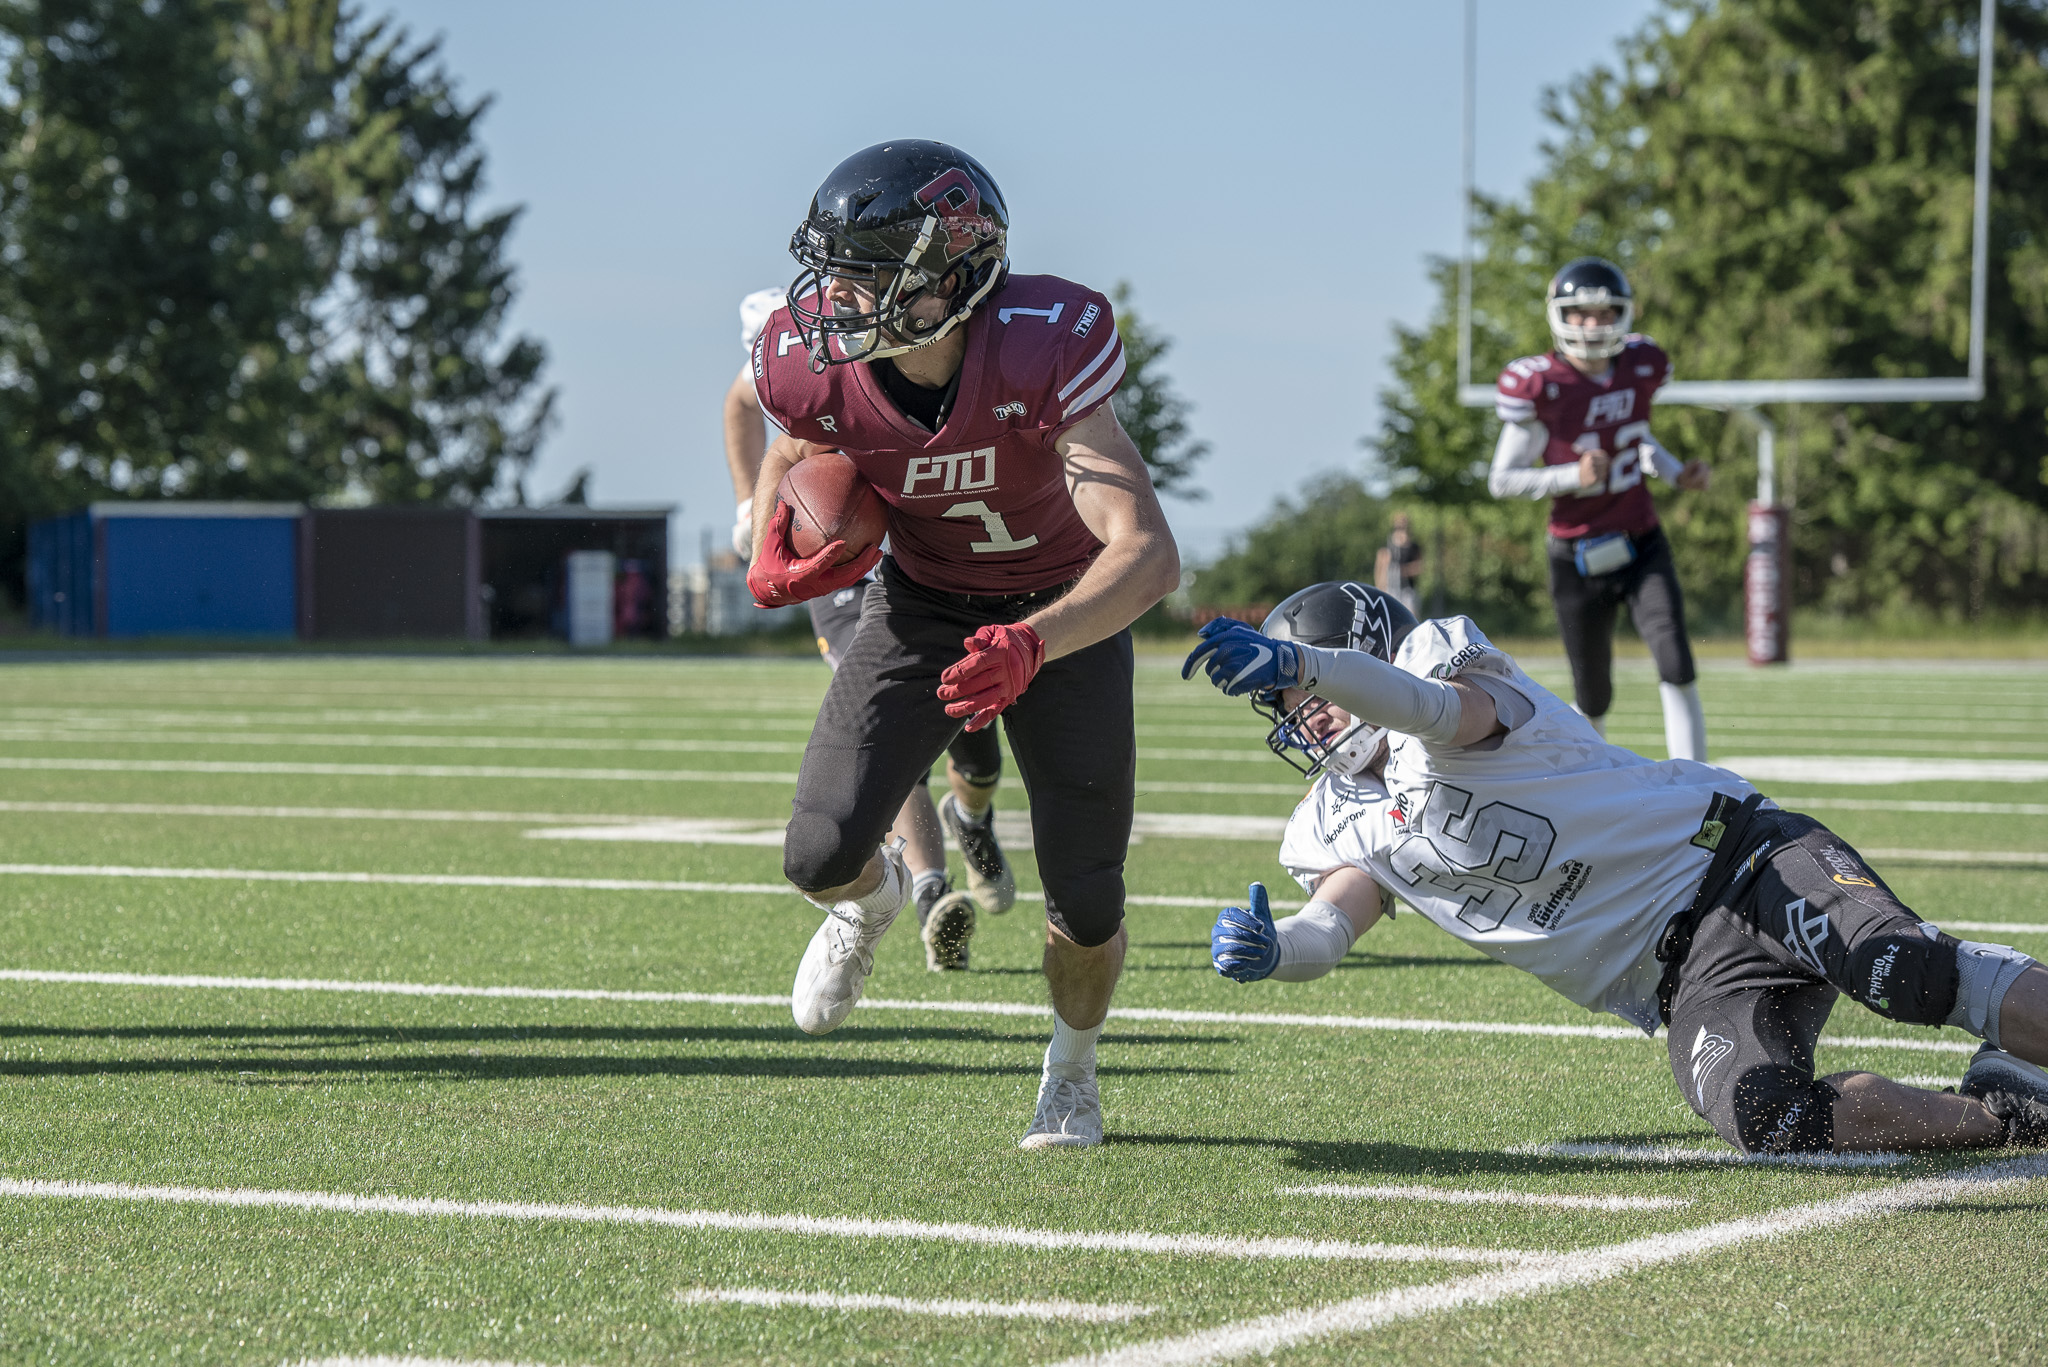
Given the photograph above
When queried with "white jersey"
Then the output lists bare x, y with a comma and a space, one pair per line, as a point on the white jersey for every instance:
1547, 848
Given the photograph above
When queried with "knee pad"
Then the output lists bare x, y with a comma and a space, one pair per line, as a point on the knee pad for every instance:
1983, 973
977, 757
816, 854
1782, 1110
1906, 977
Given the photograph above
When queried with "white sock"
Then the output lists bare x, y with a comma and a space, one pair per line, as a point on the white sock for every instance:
1599, 723
930, 878
970, 818
1685, 721
1312, 942
879, 906
1071, 1054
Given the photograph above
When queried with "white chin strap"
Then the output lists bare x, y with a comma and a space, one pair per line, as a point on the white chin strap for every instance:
1353, 749
1595, 341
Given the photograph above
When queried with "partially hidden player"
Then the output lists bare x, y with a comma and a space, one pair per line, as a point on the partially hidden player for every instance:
974, 760
1664, 892
1024, 538
1575, 429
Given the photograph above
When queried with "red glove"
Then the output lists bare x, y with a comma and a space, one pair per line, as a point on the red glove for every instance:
1000, 663
777, 578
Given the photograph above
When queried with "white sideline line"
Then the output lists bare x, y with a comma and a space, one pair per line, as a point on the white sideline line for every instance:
965, 1008
1003, 1310
1932, 1080
1270, 1333
1997, 927
2015, 858
1243, 1247
1454, 1196
1673, 1155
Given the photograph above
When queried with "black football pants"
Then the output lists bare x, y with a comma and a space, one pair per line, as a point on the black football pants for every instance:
882, 725
1586, 610
834, 618
1803, 923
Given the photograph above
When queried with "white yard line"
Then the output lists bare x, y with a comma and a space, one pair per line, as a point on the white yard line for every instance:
310, 813
1996, 927
1801, 801
404, 1362
1672, 1155
1083, 1311
550, 773
1456, 1196
1401, 1024
1869, 770
371, 740
1270, 1333
2008, 858
1239, 1247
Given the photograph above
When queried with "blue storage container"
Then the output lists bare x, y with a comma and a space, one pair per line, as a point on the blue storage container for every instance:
169, 569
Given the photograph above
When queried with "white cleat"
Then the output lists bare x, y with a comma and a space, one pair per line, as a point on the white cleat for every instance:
989, 880
1069, 1115
836, 965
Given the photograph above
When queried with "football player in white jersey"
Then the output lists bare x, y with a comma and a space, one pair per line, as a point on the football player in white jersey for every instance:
1664, 892
974, 761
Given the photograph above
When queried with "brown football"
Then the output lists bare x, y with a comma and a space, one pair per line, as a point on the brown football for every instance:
829, 501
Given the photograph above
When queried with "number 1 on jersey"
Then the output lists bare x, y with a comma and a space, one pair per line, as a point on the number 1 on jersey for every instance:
999, 538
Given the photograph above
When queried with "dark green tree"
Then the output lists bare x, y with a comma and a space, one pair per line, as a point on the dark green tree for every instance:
1149, 408
242, 256
1788, 183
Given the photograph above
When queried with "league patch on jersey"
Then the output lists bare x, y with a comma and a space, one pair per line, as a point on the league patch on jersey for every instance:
1087, 320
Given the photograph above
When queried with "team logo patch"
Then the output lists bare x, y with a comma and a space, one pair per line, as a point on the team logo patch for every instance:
952, 473
1013, 409
1610, 408
830, 424
1087, 319
1708, 1053
952, 197
1805, 934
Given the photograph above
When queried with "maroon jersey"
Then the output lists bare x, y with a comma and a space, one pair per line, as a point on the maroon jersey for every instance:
1611, 414
980, 506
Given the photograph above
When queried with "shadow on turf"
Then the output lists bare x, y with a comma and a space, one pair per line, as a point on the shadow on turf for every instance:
1336, 1157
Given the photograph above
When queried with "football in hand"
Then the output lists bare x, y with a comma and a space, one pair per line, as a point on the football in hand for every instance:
829, 501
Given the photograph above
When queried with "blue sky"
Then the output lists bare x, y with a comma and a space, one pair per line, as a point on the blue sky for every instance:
1269, 178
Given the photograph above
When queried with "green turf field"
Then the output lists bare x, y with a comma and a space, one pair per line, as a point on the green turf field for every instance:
253, 1167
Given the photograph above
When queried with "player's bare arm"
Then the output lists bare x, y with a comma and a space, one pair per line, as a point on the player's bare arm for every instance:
780, 457
746, 435
1139, 564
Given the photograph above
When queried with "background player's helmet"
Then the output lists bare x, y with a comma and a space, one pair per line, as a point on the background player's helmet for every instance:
1591, 283
1335, 616
899, 217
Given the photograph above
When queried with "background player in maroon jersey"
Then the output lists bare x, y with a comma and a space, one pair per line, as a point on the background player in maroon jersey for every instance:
974, 761
1024, 539
1575, 428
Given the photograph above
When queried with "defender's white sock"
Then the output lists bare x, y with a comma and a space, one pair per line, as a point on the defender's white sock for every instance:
1685, 721
1071, 1054
1312, 942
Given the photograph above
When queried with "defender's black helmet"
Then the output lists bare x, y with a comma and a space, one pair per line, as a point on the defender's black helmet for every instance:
898, 218
1341, 615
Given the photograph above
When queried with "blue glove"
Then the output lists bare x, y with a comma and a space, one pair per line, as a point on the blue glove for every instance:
1239, 660
1244, 944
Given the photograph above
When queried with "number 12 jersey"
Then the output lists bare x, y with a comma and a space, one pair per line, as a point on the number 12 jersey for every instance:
1546, 849
982, 505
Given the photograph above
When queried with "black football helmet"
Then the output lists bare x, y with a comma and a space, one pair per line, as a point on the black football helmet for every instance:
1591, 282
900, 219
1336, 616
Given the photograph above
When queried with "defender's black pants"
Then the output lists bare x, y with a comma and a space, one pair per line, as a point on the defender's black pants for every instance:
1586, 610
1802, 922
882, 725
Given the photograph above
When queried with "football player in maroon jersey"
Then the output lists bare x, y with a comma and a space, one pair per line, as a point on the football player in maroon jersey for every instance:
1024, 539
1575, 428
974, 761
